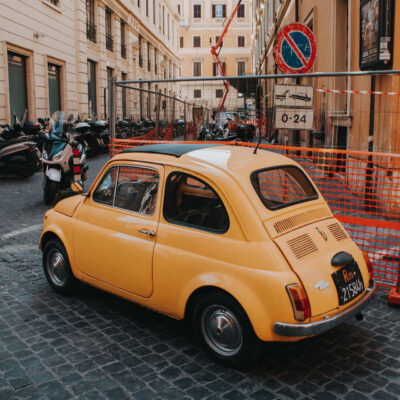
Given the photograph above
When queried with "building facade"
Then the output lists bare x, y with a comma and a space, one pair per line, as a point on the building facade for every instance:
201, 25
60, 55
346, 120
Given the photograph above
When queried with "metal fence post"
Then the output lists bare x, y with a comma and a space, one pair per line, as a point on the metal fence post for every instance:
184, 119
158, 101
112, 91
105, 103
173, 108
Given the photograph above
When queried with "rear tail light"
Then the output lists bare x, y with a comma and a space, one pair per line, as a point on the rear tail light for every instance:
77, 169
300, 303
75, 152
369, 264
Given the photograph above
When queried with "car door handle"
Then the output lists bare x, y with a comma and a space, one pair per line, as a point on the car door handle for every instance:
148, 233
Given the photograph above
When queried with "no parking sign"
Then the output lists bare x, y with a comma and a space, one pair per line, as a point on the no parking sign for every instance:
295, 49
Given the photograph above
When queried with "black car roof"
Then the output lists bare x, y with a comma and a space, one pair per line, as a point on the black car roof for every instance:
170, 149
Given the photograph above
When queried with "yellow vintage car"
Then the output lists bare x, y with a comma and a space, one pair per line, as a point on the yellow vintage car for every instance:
241, 245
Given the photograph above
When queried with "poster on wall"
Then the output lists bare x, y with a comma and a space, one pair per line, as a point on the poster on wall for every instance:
376, 36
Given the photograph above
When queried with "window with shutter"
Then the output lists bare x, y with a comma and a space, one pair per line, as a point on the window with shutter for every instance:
196, 41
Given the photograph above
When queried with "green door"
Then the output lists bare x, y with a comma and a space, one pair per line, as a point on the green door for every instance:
17, 85
54, 88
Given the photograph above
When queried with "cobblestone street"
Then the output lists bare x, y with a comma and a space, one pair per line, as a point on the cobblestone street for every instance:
97, 346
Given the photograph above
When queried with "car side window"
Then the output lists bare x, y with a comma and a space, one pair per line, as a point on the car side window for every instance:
104, 193
190, 201
137, 189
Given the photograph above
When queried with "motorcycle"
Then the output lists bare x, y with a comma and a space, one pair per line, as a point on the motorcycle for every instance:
17, 153
245, 132
217, 134
100, 130
224, 134
64, 161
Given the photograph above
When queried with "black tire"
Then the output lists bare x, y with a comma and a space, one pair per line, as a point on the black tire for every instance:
236, 347
28, 168
51, 189
57, 269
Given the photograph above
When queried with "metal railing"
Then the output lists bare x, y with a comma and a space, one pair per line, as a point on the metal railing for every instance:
109, 42
91, 32
123, 50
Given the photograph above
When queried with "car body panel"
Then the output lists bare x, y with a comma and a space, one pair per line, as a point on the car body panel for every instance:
68, 206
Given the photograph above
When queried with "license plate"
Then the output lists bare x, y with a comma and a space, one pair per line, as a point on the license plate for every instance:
349, 283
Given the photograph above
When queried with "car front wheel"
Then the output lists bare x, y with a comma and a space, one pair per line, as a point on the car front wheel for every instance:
224, 329
57, 268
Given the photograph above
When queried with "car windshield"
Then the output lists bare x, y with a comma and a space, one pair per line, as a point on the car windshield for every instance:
280, 187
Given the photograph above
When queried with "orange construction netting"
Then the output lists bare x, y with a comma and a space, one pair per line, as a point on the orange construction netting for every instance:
363, 192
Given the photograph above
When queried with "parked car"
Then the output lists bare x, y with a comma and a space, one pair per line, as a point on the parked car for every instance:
241, 245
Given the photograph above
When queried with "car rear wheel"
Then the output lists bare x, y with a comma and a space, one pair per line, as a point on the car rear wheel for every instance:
57, 268
222, 326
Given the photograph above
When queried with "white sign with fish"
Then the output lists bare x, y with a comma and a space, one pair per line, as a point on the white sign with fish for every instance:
293, 96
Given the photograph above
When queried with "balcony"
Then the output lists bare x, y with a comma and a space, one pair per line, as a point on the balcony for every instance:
123, 50
91, 32
109, 42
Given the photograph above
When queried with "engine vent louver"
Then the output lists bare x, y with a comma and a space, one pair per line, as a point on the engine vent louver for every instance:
287, 224
337, 231
302, 245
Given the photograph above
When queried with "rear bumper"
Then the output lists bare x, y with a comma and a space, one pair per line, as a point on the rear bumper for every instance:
313, 328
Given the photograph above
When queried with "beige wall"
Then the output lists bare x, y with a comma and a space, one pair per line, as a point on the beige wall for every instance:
208, 28
31, 29
45, 33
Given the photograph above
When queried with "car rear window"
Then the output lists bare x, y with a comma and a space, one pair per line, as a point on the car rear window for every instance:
283, 186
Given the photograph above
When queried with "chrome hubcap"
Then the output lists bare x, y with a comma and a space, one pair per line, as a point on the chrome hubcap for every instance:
56, 267
221, 330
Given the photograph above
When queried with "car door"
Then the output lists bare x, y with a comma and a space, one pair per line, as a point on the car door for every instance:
117, 225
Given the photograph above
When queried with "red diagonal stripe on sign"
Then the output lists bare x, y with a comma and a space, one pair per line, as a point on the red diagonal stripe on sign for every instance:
298, 52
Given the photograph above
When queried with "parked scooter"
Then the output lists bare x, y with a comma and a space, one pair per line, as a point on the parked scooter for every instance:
100, 130
18, 154
217, 134
245, 132
64, 161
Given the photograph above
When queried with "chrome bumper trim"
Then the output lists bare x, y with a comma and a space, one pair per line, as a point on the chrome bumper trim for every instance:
313, 328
